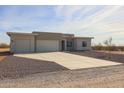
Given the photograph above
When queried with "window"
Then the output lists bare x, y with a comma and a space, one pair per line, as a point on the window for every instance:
84, 44
69, 43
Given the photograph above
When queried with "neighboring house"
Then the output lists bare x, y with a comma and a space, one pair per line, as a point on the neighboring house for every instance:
47, 42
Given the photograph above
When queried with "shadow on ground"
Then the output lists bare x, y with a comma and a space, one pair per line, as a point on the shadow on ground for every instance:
100, 55
14, 67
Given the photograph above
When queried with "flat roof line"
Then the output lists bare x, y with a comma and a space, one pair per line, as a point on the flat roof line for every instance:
10, 33
37, 33
46, 32
84, 37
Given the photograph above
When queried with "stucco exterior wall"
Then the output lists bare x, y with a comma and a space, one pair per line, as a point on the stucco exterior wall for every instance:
48, 36
32, 39
75, 44
78, 44
15, 38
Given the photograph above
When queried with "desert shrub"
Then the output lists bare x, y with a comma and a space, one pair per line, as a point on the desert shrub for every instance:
121, 48
112, 48
4, 45
97, 47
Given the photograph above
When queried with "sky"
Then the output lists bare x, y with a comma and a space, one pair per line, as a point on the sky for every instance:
98, 21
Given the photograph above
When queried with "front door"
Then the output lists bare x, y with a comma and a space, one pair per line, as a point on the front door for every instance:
63, 45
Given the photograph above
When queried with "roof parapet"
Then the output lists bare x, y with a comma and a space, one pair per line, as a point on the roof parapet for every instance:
18, 33
84, 37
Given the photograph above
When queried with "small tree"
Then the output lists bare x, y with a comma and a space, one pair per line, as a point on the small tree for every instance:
108, 43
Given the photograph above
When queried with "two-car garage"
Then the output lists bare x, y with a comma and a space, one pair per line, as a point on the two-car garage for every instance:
29, 43
47, 45
24, 46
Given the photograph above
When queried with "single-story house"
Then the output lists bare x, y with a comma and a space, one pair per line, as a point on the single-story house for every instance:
47, 42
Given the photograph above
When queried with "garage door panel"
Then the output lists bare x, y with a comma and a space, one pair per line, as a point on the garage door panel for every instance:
47, 45
22, 46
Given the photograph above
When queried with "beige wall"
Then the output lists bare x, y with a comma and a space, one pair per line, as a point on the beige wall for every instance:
15, 38
78, 44
48, 36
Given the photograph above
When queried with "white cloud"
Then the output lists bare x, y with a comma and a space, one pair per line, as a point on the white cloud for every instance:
89, 21
67, 11
95, 23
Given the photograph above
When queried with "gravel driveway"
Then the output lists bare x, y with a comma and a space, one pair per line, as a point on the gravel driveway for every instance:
70, 61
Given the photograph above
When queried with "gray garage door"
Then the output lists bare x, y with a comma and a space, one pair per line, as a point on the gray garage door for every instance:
47, 45
22, 46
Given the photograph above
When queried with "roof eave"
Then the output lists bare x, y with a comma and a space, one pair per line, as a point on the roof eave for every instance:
84, 37
16, 33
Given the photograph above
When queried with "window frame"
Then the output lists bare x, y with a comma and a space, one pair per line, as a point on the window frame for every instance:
84, 43
69, 44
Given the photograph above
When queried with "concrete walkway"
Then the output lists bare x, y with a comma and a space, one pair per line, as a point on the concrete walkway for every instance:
70, 61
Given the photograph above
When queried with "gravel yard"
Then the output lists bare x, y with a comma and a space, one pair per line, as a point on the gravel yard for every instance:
111, 76
26, 72
116, 56
14, 67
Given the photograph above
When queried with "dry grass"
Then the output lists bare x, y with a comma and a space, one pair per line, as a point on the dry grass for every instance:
4, 49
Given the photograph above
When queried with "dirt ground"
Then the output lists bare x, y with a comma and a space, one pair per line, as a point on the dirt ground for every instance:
3, 53
2, 58
114, 52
